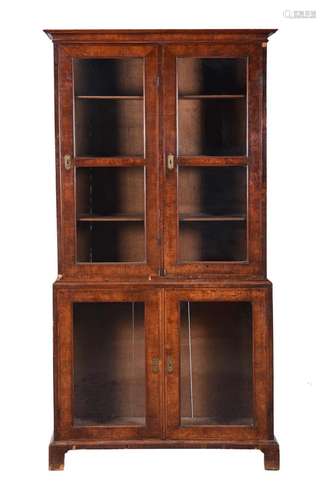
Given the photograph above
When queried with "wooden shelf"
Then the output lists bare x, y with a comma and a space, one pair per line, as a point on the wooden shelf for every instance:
211, 218
112, 97
111, 218
193, 421
212, 96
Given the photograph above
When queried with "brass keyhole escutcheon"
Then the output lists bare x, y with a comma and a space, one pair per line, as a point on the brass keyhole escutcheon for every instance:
155, 365
170, 162
67, 160
169, 365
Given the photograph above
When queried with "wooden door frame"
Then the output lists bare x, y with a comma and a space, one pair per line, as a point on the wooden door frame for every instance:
64, 298
66, 179
262, 428
255, 266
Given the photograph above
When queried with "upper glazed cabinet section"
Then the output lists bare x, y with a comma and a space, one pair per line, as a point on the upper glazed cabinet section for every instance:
161, 153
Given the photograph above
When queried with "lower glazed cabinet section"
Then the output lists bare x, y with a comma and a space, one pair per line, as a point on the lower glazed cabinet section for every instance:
150, 366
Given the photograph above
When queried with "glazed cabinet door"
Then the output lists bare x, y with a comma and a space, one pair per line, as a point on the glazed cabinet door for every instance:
107, 364
214, 164
218, 364
107, 147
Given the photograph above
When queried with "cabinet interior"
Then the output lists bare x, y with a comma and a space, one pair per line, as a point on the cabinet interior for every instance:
202, 241
212, 207
110, 210
216, 382
210, 76
109, 363
212, 106
109, 108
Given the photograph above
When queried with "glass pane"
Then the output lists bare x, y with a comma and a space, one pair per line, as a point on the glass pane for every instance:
212, 205
109, 363
105, 77
212, 191
211, 76
216, 363
212, 241
110, 214
212, 106
109, 107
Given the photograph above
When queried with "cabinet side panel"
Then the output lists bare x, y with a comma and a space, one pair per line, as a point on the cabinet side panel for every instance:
57, 157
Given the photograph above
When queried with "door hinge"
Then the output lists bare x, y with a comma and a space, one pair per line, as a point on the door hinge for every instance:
157, 81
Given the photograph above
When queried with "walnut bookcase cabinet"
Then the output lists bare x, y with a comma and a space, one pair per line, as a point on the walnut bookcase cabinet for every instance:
162, 308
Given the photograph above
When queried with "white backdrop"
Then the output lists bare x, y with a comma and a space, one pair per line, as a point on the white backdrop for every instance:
296, 265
